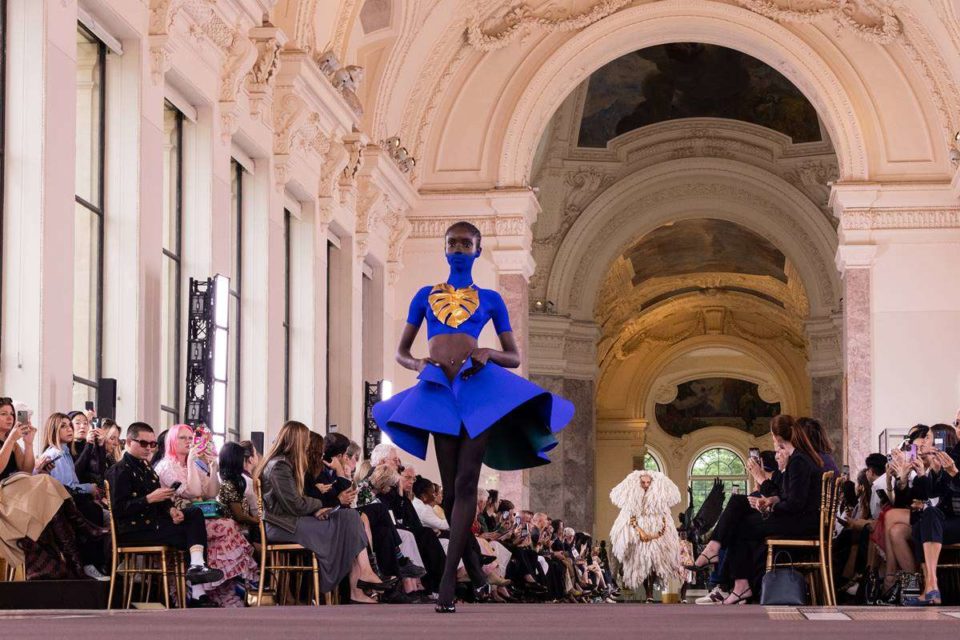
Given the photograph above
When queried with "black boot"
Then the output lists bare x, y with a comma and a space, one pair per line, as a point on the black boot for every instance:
80, 524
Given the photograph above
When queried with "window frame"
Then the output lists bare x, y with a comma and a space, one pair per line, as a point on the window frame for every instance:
177, 257
99, 210
725, 478
236, 293
287, 286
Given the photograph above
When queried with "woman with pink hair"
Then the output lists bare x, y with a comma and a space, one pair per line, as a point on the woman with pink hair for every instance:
192, 462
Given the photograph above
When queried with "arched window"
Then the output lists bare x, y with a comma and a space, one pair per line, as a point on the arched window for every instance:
717, 463
650, 461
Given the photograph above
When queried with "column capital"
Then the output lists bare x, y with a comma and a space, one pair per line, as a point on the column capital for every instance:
855, 256
825, 340
563, 347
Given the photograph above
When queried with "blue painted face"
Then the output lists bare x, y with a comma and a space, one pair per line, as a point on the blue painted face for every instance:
461, 262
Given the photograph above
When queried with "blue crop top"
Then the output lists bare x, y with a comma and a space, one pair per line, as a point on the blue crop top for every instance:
491, 307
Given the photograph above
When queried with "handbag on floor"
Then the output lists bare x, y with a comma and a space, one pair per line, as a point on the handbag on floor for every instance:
783, 586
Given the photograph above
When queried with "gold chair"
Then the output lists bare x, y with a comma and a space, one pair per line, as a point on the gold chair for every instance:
146, 561
276, 559
823, 543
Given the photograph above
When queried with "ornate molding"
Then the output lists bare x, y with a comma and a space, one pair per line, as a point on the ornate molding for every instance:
491, 226
521, 20
872, 20
263, 75
874, 219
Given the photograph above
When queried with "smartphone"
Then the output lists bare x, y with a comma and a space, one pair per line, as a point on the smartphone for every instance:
889, 457
884, 498
516, 520
23, 416
846, 470
912, 453
939, 442
176, 485
755, 453
55, 456
89, 405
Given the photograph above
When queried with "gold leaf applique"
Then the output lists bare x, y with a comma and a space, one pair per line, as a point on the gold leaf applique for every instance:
453, 306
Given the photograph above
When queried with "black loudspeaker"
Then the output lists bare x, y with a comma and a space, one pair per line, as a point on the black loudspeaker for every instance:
107, 398
256, 437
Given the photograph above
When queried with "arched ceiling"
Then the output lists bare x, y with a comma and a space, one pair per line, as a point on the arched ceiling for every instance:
688, 80
704, 246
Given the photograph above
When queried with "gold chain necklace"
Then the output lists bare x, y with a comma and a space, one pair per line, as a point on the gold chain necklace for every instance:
643, 534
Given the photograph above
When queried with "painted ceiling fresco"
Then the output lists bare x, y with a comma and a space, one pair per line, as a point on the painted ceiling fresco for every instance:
704, 246
687, 80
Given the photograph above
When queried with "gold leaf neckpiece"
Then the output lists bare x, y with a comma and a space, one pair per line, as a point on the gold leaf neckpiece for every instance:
453, 306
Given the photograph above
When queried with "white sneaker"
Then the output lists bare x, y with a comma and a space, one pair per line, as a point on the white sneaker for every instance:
91, 572
717, 596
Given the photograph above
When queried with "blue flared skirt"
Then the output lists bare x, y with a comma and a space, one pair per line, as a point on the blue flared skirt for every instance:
522, 417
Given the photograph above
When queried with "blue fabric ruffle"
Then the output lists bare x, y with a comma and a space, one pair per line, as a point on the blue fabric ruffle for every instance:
523, 417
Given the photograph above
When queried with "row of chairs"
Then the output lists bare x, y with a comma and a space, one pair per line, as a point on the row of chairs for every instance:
283, 565
822, 546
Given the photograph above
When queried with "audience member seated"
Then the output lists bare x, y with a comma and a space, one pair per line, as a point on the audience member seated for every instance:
39, 521
937, 519
58, 435
191, 467
90, 461
820, 442
747, 521
251, 459
235, 468
144, 513
111, 442
335, 536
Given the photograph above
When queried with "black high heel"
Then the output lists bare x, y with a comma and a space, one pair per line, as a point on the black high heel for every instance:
741, 598
445, 608
386, 585
711, 563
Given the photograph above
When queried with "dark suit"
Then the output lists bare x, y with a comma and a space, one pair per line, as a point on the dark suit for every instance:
141, 522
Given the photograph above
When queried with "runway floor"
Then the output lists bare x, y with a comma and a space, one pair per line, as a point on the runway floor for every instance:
503, 622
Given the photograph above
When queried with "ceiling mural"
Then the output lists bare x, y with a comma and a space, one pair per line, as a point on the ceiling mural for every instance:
686, 80
716, 402
704, 246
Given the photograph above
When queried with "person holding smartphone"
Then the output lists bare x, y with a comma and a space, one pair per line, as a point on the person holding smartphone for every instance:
16, 440
91, 462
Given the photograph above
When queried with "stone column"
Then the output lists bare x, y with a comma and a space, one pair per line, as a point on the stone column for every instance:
825, 366
39, 213
900, 253
563, 361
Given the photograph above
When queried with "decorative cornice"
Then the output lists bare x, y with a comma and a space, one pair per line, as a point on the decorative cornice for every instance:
875, 219
490, 226
522, 20
871, 20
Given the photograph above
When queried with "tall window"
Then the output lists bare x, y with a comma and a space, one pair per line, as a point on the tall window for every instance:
333, 253
3, 120
717, 463
287, 271
170, 379
648, 462
236, 266
88, 232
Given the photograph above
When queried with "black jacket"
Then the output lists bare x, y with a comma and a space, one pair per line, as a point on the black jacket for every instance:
131, 480
800, 487
91, 464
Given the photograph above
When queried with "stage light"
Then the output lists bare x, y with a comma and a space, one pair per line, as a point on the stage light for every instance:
386, 390
218, 409
221, 345
221, 298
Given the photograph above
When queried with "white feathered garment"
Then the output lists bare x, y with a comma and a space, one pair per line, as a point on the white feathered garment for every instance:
651, 509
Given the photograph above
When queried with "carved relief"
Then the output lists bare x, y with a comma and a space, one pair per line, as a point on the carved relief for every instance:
865, 219
346, 80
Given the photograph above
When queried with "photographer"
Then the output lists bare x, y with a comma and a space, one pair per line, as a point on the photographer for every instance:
91, 462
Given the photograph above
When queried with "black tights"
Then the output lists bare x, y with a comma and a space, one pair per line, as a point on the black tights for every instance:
459, 458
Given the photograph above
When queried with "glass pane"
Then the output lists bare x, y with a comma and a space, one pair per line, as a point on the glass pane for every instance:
81, 394
89, 117
718, 462
233, 370
650, 463
85, 292
167, 420
171, 179
236, 205
169, 345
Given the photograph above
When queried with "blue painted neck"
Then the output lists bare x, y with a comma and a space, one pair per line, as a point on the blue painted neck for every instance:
461, 269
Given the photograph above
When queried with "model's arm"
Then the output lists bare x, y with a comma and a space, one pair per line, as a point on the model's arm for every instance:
508, 356
404, 357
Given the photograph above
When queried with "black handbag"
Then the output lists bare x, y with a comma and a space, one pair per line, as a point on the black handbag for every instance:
783, 586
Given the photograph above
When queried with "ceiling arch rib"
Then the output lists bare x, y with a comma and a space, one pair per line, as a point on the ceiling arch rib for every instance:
688, 189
